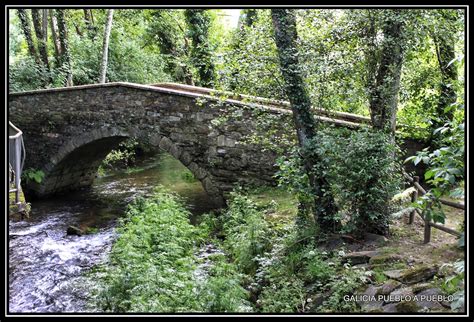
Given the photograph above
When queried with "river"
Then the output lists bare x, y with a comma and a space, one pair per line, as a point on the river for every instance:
47, 266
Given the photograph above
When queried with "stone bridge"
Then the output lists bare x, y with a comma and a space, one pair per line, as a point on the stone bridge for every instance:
69, 131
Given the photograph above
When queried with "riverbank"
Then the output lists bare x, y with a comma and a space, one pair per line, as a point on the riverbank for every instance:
47, 266
171, 254
265, 263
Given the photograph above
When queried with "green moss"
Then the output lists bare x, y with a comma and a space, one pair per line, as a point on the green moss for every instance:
384, 259
423, 286
187, 176
24, 208
417, 274
380, 277
91, 230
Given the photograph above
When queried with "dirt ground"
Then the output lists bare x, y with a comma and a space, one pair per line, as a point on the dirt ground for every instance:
407, 240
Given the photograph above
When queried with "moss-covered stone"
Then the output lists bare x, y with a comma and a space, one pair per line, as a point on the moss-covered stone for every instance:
418, 274
421, 287
356, 258
384, 259
388, 287
407, 306
413, 275
75, 231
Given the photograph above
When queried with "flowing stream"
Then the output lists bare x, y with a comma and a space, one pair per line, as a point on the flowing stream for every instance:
46, 265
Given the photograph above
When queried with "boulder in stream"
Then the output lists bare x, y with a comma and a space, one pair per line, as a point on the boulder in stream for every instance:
74, 231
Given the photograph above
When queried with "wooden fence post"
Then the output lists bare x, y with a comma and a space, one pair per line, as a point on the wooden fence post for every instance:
414, 196
427, 228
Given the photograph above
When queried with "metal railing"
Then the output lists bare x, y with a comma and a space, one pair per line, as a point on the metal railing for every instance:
16, 159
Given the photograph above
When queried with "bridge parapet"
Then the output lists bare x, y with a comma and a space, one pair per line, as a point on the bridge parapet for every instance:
68, 131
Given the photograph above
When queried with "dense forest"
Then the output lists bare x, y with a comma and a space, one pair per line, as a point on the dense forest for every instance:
303, 245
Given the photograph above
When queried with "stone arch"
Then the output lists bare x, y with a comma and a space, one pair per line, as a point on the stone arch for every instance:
75, 163
199, 172
81, 140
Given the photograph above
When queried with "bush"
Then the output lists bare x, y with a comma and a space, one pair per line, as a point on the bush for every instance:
222, 291
366, 175
122, 156
342, 284
445, 173
152, 265
247, 233
152, 262
30, 175
284, 294
362, 170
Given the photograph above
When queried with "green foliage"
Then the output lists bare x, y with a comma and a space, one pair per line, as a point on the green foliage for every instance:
188, 176
317, 267
201, 56
32, 175
286, 294
294, 271
249, 64
25, 75
152, 265
247, 232
291, 268
291, 175
152, 262
365, 177
445, 171
130, 57
223, 291
345, 283
362, 171
123, 156
454, 285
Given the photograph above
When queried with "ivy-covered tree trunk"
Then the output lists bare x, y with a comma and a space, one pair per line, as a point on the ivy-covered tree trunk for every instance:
26, 28
384, 95
444, 43
105, 46
370, 49
89, 20
37, 15
199, 22
168, 38
65, 56
247, 18
284, 25
55, 36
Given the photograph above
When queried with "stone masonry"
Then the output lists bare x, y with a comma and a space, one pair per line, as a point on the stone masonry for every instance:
69, 131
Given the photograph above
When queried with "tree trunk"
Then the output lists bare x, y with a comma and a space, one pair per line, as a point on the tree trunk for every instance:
105, 47
65, 57
247, 18
449, 75
198, 22
89, 20
45, 24
444, 44
54, 35
371, 51
26, 28
384, 96
284, 25
40, 37
87, 17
